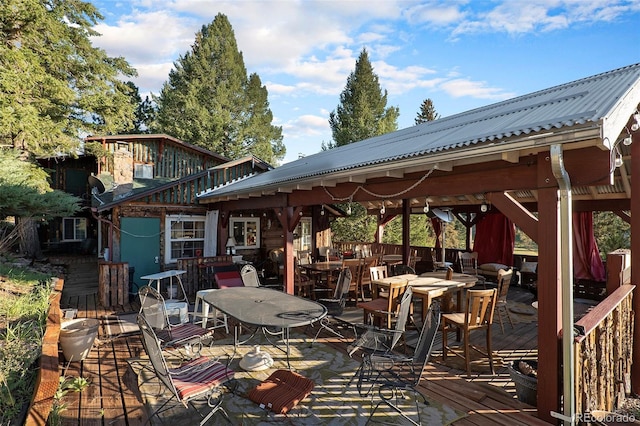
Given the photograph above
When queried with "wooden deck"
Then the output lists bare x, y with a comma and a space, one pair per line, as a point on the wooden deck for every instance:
113, 397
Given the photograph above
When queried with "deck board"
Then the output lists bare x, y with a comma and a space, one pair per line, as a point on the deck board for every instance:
113, 398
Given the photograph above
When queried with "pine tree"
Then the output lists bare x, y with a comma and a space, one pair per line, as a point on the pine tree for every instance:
427, 112
362, 112
54, 85
209, 101
144, 112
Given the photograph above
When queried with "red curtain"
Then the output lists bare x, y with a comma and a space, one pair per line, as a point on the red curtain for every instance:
495, 239
587, 263
437, 229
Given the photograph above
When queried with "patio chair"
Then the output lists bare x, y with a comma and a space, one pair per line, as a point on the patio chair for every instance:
504, 281
383, 310
397, 375
477, 316
365, 274
355, 265
335, 306
153, 309
468, 264
384, 340
401, 269
199, 378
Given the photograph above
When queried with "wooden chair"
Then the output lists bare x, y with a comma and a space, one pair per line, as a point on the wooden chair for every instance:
377, 273
365, 274
304, 285
504, 280
355, 265
383, 310
477, 316
468, 264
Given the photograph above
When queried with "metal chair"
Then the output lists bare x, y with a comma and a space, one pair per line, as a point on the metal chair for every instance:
335, 306
397, 375
198, 378
401, 269
153, 309
477, 316
384, 340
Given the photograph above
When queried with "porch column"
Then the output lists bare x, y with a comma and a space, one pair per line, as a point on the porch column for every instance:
549, 304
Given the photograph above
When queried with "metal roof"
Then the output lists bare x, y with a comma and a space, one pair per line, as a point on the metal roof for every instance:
601, 103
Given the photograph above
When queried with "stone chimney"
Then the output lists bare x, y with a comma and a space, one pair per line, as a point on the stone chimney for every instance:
122, 172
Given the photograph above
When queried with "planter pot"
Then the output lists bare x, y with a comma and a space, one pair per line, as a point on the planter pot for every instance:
526, 386
77, 337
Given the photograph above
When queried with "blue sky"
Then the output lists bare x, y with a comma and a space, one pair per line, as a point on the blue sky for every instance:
460, 54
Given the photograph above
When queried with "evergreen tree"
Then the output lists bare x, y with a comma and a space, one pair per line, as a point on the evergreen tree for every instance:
427, 112
144, 112
26, 195
209, 101
362, 112
54, 85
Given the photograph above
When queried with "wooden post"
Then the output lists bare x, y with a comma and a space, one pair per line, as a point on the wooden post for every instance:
549, 305
617, 262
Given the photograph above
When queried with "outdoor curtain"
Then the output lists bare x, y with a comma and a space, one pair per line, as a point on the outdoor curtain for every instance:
211, 233
587, 263
495, 239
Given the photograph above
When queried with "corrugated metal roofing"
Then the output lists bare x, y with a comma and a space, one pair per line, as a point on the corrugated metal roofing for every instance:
582, 102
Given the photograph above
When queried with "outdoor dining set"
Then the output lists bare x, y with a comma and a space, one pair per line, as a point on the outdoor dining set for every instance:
241, 304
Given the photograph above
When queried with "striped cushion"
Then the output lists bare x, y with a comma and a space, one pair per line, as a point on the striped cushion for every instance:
199, 376
182, 332
281, 391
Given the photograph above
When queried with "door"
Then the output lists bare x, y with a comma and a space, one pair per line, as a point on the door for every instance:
140, 247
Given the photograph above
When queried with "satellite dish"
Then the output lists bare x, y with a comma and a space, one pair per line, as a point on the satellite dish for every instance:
97, 187
443, 215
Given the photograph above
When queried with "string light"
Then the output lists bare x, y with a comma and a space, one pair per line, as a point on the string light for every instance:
382, 209
373, 194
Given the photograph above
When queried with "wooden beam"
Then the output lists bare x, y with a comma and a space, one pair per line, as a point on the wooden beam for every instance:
511, 208
406, 228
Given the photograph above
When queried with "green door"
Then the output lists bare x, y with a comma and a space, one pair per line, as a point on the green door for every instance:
140, 247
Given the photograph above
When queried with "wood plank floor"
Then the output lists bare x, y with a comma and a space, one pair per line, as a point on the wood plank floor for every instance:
113, 397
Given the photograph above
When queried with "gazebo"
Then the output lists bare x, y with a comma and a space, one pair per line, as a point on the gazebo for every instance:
536, 158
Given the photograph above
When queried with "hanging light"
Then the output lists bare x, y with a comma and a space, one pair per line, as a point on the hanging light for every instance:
484, 207
382, 209
425, 209
322, 211
349, 210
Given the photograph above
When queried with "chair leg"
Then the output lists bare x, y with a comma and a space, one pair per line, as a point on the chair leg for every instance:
489, 350
467, 352
444, 340
499, 313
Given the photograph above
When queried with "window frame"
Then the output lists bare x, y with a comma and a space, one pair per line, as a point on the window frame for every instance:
144, 168
241, 243
169, 220
76, 221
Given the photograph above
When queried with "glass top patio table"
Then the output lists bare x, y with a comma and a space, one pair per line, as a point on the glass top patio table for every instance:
266, 309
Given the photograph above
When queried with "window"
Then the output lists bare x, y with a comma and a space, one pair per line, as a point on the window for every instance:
184, 237
143, 171
302, 235
246, 232
74, 228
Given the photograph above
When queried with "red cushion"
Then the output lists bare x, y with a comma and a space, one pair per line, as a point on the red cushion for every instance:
281, 391
228, 279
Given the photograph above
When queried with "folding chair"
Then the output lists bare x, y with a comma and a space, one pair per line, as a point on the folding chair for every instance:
397, 375
196, 379
153, 309
335, 306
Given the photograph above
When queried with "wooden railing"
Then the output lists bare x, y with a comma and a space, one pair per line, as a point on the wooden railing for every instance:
603, 354
192, 279
48, 375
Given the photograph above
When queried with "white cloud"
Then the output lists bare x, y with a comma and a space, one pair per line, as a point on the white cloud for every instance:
476, 89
